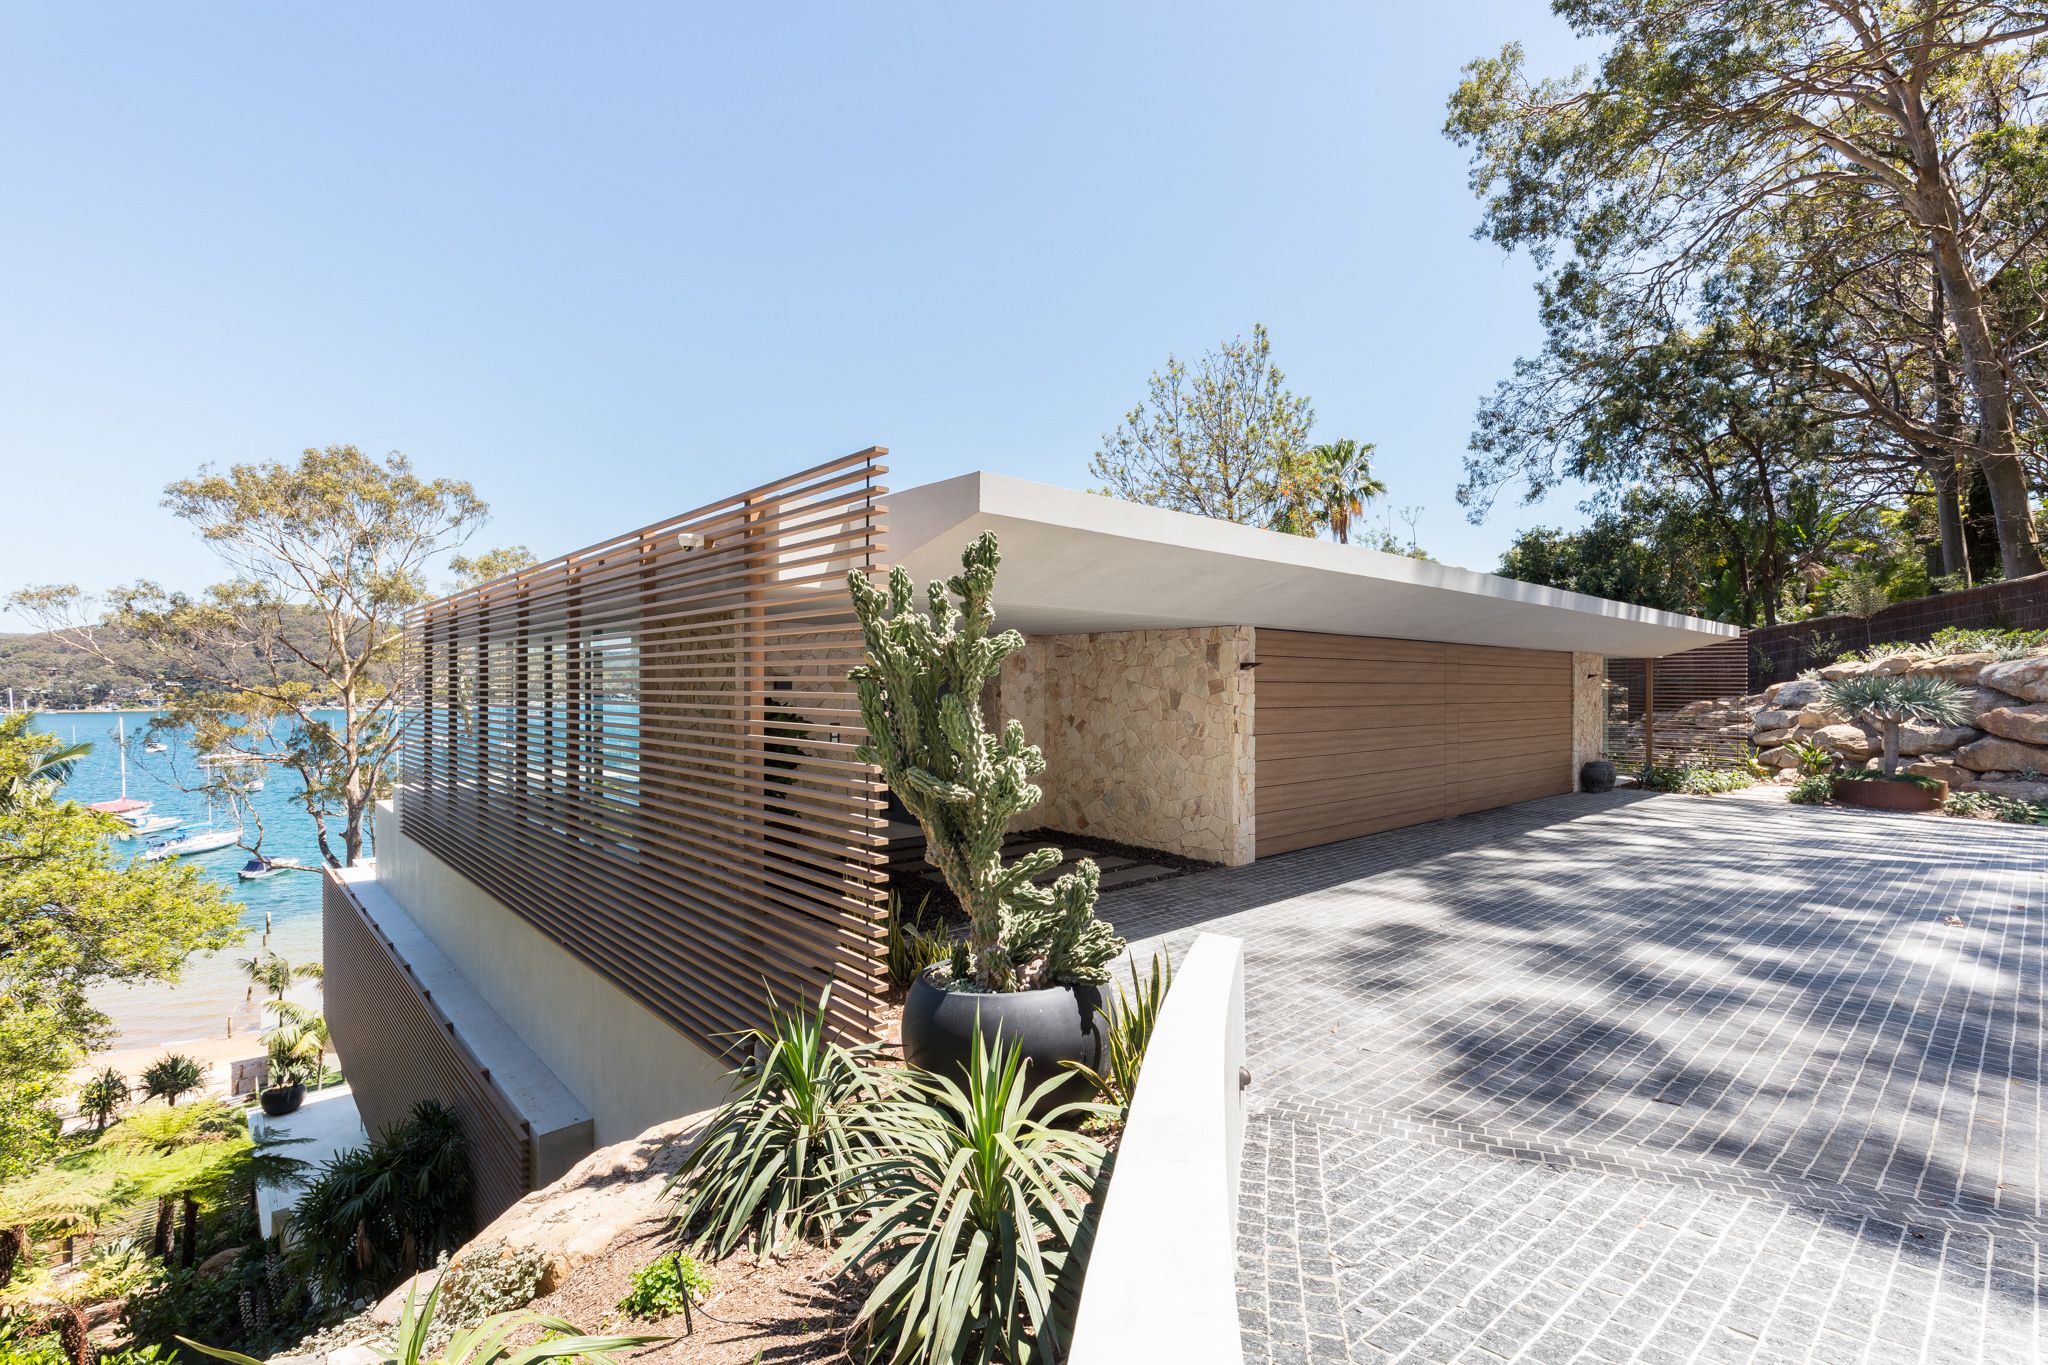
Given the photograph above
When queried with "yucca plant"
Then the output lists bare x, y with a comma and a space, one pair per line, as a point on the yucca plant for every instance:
971, 1214
911, 947
1127, 1033
773, 1158
486, 1343
1890, 701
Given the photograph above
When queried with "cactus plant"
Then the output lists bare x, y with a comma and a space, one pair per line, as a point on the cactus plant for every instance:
920, 695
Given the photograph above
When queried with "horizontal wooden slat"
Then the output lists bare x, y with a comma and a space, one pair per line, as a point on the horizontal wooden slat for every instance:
645, 749
1357, 736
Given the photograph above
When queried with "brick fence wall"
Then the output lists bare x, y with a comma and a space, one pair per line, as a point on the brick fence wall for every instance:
1777, 653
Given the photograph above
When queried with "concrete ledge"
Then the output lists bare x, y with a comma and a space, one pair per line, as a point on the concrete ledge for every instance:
1162, 1281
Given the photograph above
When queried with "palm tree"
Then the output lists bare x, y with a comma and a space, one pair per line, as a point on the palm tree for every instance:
101, 1096
1328, 487
172, 1075
43, 777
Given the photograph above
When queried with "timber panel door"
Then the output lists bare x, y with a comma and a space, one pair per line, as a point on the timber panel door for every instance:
1357, 735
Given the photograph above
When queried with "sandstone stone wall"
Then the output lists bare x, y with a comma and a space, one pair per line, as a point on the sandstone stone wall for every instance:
1589, 710
1147, 736
2002, 750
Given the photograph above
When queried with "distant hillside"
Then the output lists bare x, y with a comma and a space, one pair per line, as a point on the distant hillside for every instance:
48, 675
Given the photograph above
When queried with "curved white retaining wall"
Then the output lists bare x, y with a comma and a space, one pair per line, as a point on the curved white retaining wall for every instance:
1162, 1281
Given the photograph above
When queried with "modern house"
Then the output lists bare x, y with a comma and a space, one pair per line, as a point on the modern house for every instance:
631, 809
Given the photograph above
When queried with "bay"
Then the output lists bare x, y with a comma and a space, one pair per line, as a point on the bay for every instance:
211, 995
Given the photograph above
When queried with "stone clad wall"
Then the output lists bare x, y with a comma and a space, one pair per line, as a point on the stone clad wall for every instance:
1589, 710
1147, 736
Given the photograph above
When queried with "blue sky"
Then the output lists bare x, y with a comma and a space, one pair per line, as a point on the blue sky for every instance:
607, 261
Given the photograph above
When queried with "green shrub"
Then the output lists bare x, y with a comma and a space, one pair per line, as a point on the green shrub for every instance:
1127, 1033
99, 1097
1812, 790
1989, 806
911, 947
1693, 779
660, 1289
491, 1278
970, 1215
1814, 759
771, 1160
377, 1213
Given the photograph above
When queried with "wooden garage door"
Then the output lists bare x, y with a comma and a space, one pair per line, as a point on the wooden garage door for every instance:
1359, 735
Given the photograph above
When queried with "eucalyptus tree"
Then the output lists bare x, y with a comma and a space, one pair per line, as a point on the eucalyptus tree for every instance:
1702, 120
1224, 439
293, 660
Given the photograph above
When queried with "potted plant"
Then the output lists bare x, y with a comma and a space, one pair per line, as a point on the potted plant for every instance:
1034, 956
1890, 701
293, 1049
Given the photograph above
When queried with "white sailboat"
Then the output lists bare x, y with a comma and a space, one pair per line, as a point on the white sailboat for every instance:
204, 840
134, 814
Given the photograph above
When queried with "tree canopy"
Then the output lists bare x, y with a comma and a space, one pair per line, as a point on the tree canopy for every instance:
1833, 206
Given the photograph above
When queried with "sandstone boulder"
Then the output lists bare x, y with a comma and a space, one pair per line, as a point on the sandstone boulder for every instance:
1896, 663
1764, 739
2018, 791
1818, 718
2024, 678
1917, 738
1780, 757
1845, 739
1982, 699
1795, 695
1956, 668
2026, 723
1776, 718
1942, 768
1993, 754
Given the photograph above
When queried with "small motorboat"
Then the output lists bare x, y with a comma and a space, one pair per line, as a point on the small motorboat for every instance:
198, 841
144, 823
156, 746
256, 869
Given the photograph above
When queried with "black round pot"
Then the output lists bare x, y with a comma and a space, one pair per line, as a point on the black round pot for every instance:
1050, 1026
1596, 775
280, 1100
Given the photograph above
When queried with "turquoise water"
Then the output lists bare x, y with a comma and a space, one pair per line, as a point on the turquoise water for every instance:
212, 988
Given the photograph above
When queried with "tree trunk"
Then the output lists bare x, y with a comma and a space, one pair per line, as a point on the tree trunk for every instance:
188, 1239
1948, 508
160, 1240
1890, 761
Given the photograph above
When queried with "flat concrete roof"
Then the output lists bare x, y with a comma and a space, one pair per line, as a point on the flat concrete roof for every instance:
1075, 562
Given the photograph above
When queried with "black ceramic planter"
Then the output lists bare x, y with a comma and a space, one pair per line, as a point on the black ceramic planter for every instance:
1596, 775
1058, 1024
283, 1099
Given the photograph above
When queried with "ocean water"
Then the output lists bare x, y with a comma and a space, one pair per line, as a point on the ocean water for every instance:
212, 991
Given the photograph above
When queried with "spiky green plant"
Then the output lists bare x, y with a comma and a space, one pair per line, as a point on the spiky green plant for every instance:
770, 1161
101, 1096
487, 1343
1890, 701
971, 1215
910, 947
172, 1075
1127, 1032
920, 696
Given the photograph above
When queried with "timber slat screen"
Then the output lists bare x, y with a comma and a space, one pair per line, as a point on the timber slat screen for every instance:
645, 749
1358, 735
393, 1031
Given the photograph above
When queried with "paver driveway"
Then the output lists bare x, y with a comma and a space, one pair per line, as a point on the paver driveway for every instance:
1640, 1078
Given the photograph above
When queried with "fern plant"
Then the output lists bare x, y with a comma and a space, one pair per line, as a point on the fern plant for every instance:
772, 1159
971, 1216
1127, 1034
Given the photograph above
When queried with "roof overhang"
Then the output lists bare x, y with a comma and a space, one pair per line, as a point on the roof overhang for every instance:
1076, 562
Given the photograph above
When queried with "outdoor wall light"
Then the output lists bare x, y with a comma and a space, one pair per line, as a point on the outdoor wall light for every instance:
690, 540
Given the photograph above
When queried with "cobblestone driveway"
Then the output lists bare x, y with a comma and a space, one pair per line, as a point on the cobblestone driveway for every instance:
1640, 1079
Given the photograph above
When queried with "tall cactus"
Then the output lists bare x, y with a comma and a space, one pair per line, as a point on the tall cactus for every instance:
920, 694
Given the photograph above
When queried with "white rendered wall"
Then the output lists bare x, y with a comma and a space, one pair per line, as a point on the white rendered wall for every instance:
628, 1067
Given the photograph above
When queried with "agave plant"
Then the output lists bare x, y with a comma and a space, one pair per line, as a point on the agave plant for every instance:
1890, 701
486, 1343
972, 1216
774, 1155
1128, 1034
911, 947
